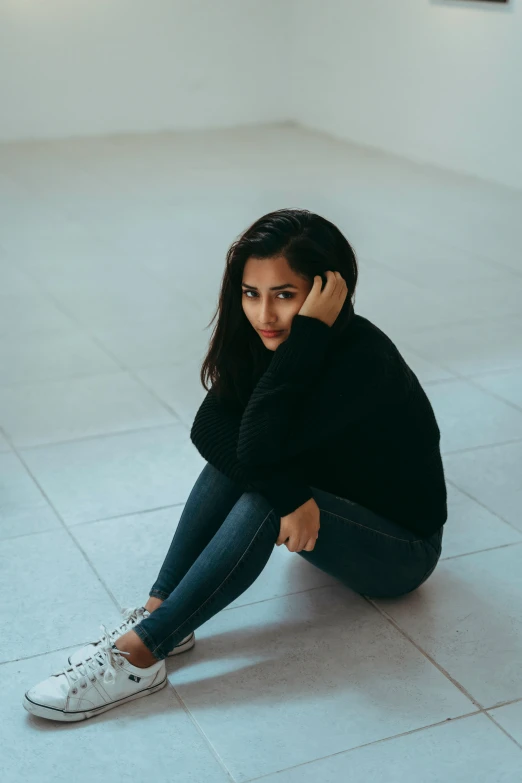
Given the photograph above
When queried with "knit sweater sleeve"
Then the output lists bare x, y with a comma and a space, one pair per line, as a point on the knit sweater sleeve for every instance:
302, 402
215, 432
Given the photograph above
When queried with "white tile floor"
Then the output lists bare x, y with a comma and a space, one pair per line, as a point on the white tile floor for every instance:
111, 254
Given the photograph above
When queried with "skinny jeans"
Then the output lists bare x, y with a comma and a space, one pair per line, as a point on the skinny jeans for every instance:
224, 539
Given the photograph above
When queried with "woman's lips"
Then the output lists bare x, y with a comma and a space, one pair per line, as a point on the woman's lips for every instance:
270, 334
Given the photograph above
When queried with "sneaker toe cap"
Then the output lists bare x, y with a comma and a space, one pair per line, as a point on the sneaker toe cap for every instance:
52, 693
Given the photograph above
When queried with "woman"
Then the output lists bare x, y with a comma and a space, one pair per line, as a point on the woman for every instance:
316, 435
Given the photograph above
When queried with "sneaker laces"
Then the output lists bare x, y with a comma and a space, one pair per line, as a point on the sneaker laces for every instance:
104, 661
131, 617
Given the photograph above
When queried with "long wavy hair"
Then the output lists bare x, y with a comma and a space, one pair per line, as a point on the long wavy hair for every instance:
237, 357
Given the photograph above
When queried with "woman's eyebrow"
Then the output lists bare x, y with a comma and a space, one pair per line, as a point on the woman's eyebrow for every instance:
274, 288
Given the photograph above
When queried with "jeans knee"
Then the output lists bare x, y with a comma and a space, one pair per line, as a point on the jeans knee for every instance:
252, 499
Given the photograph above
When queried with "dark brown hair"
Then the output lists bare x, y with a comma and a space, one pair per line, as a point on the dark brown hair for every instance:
311, 245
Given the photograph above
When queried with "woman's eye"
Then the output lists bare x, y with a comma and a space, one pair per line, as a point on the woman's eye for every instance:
282, 293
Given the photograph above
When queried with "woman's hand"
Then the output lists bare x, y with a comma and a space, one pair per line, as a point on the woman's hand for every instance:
300, 529
328, 303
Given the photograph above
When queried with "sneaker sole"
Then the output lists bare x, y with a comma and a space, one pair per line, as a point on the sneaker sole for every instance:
183, 647
180, 648
71, 717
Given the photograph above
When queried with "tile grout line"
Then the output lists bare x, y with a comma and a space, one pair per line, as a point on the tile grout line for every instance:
502, 271
64, 527
95, 521
413, 228
480, 503
488, 373
226, 609
443, 671
421, 330
481, 447
502, 729
214, 752
123, 368
456, 375
472, 381
481, 709
114, 434
368, 744
479, 551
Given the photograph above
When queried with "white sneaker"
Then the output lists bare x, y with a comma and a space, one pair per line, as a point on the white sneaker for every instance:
131, 618
94, 685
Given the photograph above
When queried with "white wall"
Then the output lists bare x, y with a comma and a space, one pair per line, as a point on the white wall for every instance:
88, 67
434, 81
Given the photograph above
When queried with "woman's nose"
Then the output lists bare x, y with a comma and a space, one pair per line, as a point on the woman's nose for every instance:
266, 314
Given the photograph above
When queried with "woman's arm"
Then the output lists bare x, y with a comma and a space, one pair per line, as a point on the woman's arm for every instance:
300, 403
215, 432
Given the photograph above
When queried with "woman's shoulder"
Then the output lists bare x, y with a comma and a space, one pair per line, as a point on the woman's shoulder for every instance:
367, 347
364, 337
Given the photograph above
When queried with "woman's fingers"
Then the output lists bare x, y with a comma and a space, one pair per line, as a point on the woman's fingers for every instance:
309, 545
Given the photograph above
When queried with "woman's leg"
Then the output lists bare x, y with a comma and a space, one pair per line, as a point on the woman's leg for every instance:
227, 566
211, 499
366, 552
369, 553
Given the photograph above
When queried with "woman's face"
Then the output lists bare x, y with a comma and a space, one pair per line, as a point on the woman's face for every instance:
268, 309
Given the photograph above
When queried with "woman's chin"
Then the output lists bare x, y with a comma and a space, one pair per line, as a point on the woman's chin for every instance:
272, 343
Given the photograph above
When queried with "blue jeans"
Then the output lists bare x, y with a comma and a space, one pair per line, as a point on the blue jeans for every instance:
225, 537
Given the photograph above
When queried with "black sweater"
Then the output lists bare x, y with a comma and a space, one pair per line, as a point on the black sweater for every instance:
344, 415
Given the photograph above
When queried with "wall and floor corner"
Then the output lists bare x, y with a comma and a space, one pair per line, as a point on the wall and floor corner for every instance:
436, 81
